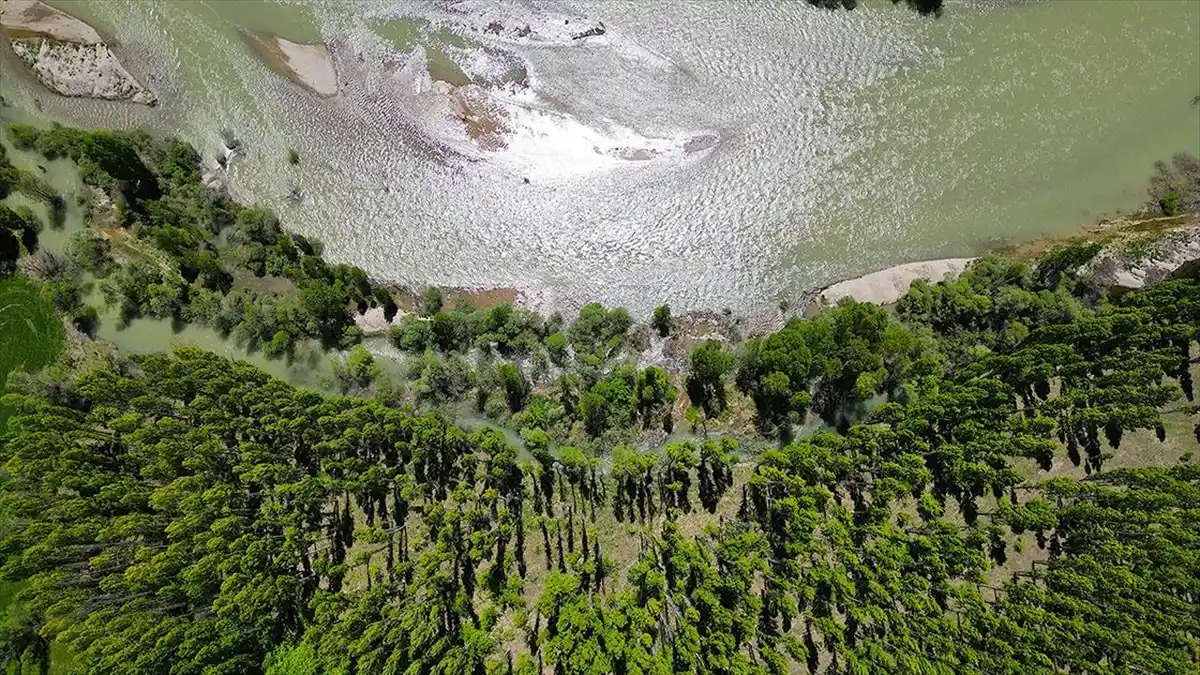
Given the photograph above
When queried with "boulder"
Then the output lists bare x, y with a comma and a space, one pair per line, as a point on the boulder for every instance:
1133, 262
67, 55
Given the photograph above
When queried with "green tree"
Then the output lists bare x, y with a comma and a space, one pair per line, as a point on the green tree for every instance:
556, 345
326, 309
655, 397
361, 366
431, 301
708, 367
413, 334
662, 320
516, 386
598, 330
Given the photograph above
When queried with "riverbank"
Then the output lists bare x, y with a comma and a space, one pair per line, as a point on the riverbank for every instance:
1134, 248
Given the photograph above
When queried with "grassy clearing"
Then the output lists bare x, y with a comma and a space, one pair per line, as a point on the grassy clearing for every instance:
31, 335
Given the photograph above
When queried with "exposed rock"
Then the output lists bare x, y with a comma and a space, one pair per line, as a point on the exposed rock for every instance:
81, 70
374, 321
67, 55
597, 29
1132, 263
887, 286
513, 21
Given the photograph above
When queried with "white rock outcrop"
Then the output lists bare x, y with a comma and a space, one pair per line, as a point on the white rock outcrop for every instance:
374, 321
1133, 263
67, 55
75, 69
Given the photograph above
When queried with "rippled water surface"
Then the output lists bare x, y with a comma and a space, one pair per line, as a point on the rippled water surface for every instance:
845, 141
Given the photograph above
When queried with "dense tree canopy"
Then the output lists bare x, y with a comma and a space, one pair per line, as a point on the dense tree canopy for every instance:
185, 513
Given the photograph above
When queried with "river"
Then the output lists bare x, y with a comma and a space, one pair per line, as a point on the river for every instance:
844, 141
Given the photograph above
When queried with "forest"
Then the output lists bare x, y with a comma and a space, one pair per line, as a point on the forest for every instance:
996, 475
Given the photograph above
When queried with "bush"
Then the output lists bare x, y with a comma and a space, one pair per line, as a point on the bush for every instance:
1169, 202
710, 363
1175, 187
516, 387
662, 320
413, 334
598, 330
90, 252
361, 366
23, 136
453, 331
1062, 262
431, 301
556, 345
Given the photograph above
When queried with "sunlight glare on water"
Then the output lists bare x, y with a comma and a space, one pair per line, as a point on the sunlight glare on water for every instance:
706, 154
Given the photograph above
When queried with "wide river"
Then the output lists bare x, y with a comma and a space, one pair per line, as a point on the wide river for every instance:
845, 141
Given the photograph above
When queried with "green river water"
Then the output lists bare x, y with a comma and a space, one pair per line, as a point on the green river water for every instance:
849, 141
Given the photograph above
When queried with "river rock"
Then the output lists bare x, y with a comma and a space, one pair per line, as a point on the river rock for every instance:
81, 70
520, 23
887, 286
1132, 263
67, 55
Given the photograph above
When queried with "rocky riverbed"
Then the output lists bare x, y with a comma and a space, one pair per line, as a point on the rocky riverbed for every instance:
67, 55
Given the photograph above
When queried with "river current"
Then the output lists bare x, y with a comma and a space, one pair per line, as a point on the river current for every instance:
827, 144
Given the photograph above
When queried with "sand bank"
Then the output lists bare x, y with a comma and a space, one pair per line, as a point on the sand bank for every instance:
308, 65
30, 18
889, 285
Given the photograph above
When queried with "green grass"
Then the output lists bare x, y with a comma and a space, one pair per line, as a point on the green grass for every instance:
31, 336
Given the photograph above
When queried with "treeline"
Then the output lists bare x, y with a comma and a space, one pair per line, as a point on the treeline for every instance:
578, 382
189, 253
215, 513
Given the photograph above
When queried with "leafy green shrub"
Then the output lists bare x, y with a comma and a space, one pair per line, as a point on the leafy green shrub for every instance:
662, 320
413, 334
